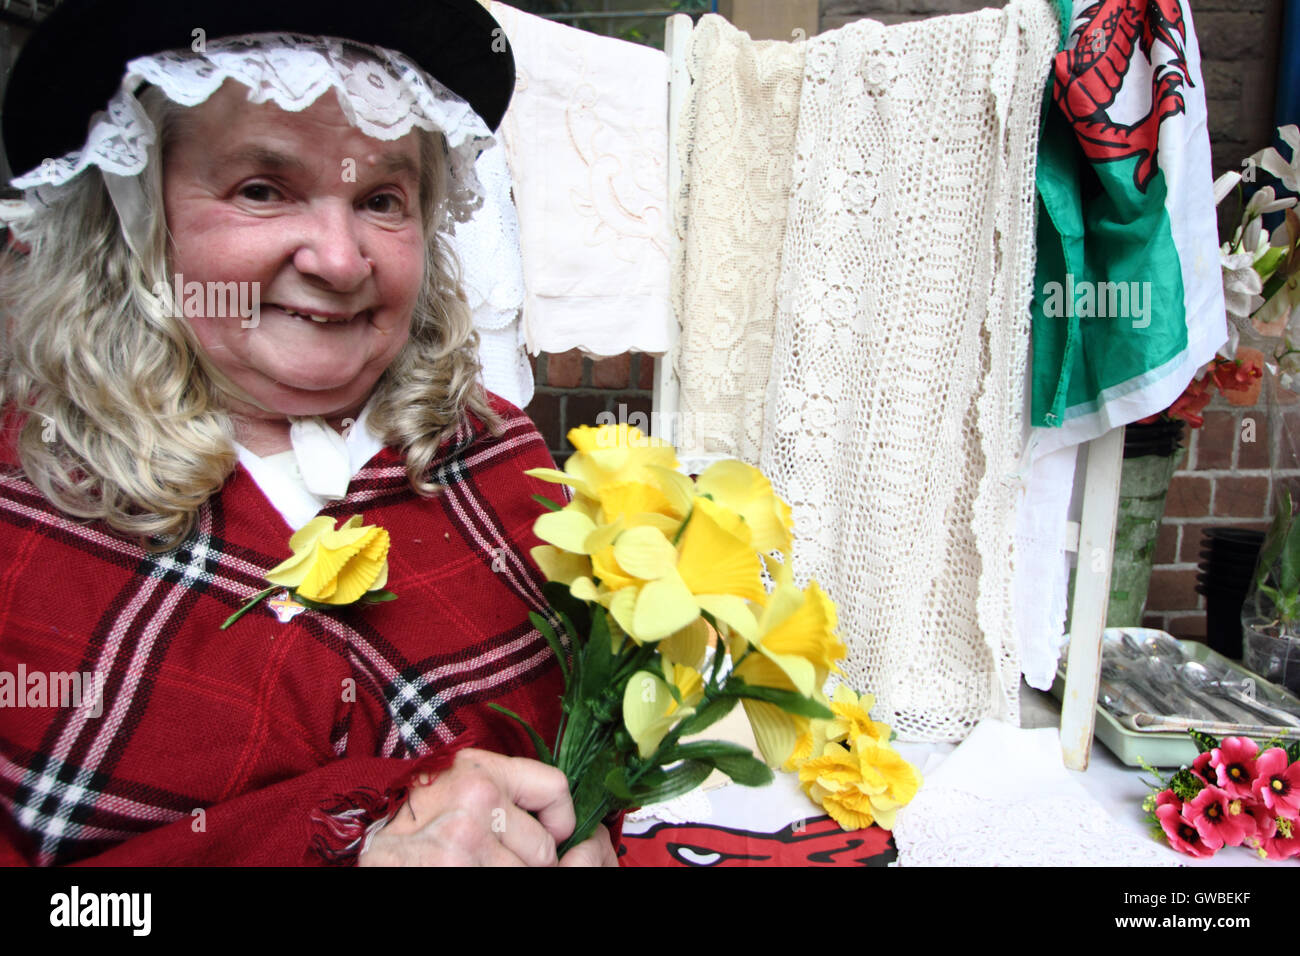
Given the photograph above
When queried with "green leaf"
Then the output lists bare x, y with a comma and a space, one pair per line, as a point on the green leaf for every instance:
1293, 751
681, 779
539, 745
597, 658
567, 754
547, 503
735, 760
616, 783
745, 769
548, 632
790, 701
707, 750
378, 597
1289, 567
1204, 742
707, 716
1275, 539
562, 600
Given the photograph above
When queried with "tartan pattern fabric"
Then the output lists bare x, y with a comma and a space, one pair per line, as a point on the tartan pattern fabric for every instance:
230, 746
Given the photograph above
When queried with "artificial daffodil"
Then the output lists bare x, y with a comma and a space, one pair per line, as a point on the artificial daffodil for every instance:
331, 567
795, 649
864, 783
650, 710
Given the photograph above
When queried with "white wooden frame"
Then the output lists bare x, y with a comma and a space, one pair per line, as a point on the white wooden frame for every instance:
1093, 537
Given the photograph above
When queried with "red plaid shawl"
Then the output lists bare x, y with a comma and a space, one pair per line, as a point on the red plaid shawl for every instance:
269, 743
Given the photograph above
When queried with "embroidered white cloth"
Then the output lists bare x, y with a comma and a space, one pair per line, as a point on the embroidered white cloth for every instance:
894, 417
492, 274
1042, 565
736, 149
1004, 798
586, 136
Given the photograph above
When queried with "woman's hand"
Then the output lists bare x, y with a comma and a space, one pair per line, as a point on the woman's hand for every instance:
480, 813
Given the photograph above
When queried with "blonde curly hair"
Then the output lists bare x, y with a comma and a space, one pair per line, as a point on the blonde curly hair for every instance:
120, 422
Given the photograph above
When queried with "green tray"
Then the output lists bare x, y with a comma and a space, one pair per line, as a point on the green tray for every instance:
1162, 749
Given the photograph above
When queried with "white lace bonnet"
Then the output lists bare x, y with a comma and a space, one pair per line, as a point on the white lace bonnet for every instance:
381, 92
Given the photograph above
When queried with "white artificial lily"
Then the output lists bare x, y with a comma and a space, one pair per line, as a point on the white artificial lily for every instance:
1272, 162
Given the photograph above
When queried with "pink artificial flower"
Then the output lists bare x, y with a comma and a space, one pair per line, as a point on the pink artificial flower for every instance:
1219, 819
1169, 798
1283, 840
1183, 837
1234, 763
1204, 769
1277, 785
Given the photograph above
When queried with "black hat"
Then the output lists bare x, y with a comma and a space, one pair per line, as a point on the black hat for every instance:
73, 64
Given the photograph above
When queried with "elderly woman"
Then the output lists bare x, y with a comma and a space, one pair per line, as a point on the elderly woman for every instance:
239, 316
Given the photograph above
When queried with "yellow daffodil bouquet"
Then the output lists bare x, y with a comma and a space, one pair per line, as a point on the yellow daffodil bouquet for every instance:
672, 599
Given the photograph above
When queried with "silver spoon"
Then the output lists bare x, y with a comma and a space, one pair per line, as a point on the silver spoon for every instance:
1197, 675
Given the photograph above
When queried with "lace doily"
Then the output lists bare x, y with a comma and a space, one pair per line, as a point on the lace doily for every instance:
1004, 798
693, 807
893, 420
956, 828
736, 150
382, 93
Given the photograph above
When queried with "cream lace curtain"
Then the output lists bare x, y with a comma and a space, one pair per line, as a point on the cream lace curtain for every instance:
737, 152
884, 393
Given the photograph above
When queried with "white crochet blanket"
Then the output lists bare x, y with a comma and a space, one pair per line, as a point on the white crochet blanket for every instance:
893, 415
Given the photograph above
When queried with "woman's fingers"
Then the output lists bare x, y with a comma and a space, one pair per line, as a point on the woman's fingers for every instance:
596, 850
531, 785
524, 837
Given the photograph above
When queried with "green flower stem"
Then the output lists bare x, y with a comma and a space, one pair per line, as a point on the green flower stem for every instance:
260, 595
586, 827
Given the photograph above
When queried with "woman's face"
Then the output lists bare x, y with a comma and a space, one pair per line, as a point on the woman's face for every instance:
324, 219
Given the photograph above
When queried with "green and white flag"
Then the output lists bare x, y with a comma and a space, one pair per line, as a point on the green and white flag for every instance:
1128, 297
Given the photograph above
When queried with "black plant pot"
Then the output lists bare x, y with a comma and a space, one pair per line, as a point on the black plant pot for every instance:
1157, 438
1230, 558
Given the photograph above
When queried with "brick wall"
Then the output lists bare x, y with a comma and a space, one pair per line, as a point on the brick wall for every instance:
572, 391
1225, 481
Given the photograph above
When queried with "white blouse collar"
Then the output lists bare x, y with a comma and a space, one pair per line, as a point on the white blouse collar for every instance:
318, 469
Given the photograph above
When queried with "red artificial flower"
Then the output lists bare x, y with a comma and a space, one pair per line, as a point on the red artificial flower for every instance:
1192, 402
1234, 764
1219, 819
1277, 784
1183, 837
1234, 375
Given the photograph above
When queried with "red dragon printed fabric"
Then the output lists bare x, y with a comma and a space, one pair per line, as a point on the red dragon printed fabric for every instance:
277, 741
1089, 76
816, 842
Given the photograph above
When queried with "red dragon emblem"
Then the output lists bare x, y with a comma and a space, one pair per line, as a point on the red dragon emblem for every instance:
816, 842
1089, 77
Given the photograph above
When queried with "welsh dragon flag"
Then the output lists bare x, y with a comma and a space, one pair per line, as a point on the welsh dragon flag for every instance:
1128, 299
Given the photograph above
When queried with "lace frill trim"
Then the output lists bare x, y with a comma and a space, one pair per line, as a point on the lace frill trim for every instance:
382, 93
